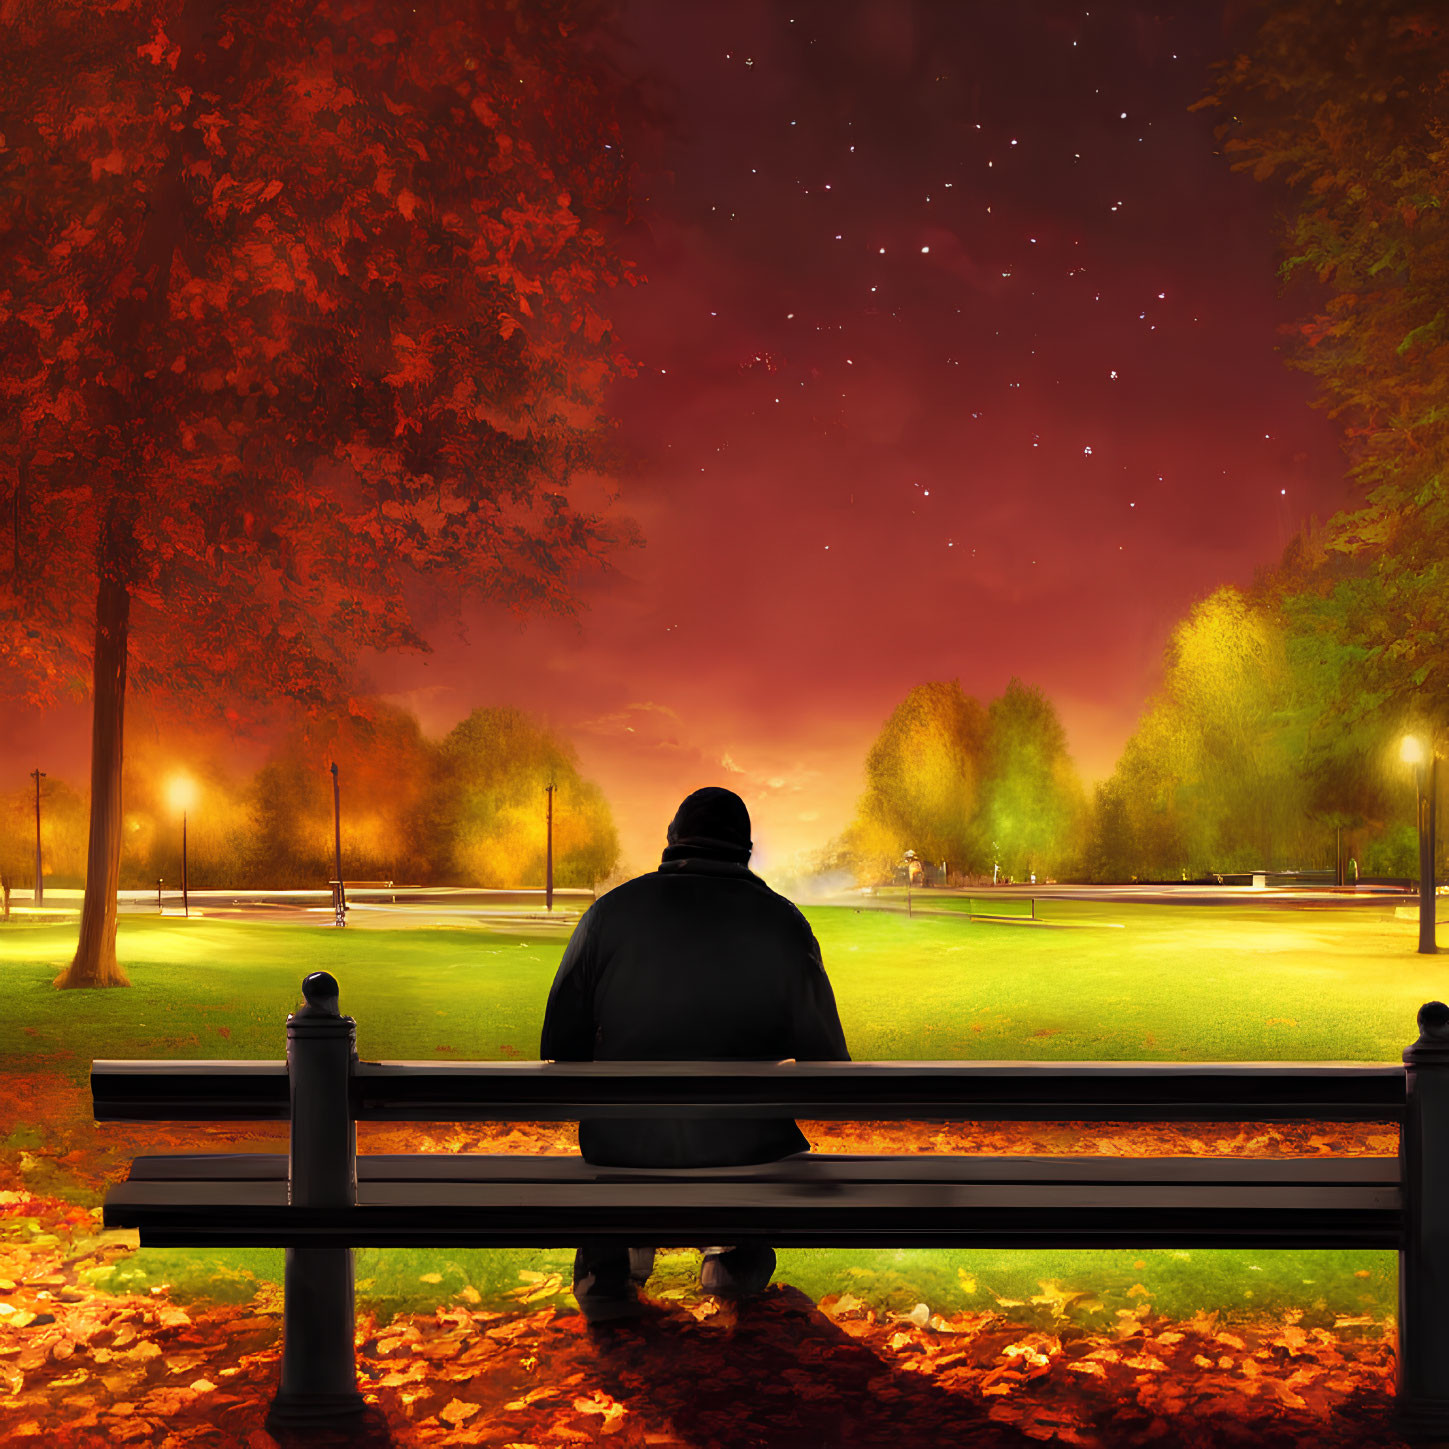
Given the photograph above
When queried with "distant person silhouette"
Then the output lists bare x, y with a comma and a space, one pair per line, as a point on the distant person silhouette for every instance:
697, 961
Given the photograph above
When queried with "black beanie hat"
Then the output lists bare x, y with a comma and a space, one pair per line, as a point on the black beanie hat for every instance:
712, 824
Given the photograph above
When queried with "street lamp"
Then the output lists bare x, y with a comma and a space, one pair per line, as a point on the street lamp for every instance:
340, 900
38, 774
181, 791
1413, 751
548, 876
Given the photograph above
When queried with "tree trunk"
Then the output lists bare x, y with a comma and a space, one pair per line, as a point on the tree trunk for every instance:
95, 958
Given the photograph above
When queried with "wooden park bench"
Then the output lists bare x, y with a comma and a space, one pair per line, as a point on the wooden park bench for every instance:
321, 1199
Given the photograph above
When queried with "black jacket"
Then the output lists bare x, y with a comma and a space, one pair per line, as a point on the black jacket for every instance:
698, 961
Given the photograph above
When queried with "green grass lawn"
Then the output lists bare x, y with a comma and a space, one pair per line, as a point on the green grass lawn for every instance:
1094, 982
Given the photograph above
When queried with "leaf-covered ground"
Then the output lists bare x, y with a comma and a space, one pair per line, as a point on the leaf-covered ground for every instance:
83, 1366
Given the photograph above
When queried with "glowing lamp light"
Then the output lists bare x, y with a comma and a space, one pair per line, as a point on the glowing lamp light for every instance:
181, 792
1411, 750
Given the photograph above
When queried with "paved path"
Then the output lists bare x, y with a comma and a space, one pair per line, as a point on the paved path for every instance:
926, 898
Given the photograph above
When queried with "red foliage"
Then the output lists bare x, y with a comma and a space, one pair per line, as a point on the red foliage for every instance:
296, 310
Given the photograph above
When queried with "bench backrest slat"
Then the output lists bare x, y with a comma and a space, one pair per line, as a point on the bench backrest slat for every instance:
854, 1091
190, 1091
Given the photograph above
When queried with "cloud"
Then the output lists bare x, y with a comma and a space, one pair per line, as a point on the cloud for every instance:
643, 717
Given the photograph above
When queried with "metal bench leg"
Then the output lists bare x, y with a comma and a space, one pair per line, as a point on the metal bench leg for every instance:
319, 1365
1421, 1408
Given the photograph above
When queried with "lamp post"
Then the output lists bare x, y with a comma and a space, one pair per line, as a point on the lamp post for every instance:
341, 901
548, 857
182, 793
1413, 751
38, 775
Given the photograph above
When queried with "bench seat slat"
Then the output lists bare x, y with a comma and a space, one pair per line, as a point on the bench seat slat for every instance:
821, 1166
821, 1212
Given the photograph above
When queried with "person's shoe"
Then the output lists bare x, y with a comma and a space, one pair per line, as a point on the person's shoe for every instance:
607, 1303
737, 1272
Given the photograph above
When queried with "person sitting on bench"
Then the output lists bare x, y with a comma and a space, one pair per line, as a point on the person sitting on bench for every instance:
697, 961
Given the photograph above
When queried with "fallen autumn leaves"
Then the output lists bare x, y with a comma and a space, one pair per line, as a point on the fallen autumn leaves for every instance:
90, 1370
82, 1368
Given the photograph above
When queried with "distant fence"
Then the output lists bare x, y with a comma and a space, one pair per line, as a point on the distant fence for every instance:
937, 902
1274, 879
372, 896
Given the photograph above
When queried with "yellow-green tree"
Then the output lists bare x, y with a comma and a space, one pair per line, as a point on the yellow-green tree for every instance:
489, 803
1213, 778
1143, 827
1344, 108
1032, 807
954, 782
922, 779
1277, 717
62, 834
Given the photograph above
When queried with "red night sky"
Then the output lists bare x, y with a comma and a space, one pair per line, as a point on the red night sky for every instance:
957, 359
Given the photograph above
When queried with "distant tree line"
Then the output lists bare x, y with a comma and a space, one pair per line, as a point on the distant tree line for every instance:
1281, 708
1247, 758
1254, 754
468, 809
972, 786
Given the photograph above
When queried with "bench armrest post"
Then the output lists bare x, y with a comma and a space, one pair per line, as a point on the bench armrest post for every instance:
321, 1050
1421, 1407
319, 1365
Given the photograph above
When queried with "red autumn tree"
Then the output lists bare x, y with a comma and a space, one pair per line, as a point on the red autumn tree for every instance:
297, 335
